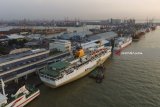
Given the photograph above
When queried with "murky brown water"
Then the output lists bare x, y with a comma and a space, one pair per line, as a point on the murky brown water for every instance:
130, 81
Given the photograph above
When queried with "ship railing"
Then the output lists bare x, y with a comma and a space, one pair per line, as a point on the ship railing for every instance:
69, 71
46, 76
82, 64
59, 77
51, 77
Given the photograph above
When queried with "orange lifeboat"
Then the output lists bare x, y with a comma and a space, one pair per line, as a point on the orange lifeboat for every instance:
80, 53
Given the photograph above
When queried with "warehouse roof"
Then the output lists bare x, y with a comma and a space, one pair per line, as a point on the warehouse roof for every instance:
15, 36
107, 35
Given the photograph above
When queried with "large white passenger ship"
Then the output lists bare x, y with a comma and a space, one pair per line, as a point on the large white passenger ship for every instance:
74, 66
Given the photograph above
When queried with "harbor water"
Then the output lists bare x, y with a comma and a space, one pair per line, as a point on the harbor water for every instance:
130, 81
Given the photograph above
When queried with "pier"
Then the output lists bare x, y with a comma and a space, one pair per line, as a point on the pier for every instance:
38, 65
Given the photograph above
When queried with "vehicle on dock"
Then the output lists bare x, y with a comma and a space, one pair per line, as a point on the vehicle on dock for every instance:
122, 42
75, 66
23, 96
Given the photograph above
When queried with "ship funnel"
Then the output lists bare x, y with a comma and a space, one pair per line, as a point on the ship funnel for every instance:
79, 53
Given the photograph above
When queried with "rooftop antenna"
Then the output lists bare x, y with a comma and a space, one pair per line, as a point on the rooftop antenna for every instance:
3, 85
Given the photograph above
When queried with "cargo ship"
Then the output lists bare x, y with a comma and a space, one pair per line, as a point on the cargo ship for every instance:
22, 97
122, 42
75, 66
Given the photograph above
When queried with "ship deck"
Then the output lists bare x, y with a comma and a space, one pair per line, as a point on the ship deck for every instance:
55, 68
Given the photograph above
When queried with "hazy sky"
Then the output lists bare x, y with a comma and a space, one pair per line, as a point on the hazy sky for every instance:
82, 9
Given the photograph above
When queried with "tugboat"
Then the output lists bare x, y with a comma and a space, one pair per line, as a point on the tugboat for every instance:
81, 63
121, 43
98, 74
22, 97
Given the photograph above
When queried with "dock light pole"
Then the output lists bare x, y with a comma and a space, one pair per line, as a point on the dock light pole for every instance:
3, 85
112, 44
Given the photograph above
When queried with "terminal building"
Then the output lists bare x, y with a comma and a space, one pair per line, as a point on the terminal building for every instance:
17, 65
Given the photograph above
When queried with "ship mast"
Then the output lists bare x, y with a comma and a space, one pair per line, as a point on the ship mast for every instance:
3, 85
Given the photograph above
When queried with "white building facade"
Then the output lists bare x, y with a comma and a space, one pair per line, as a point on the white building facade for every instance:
60, 45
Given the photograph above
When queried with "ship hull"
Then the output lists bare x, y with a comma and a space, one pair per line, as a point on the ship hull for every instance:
84, 73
